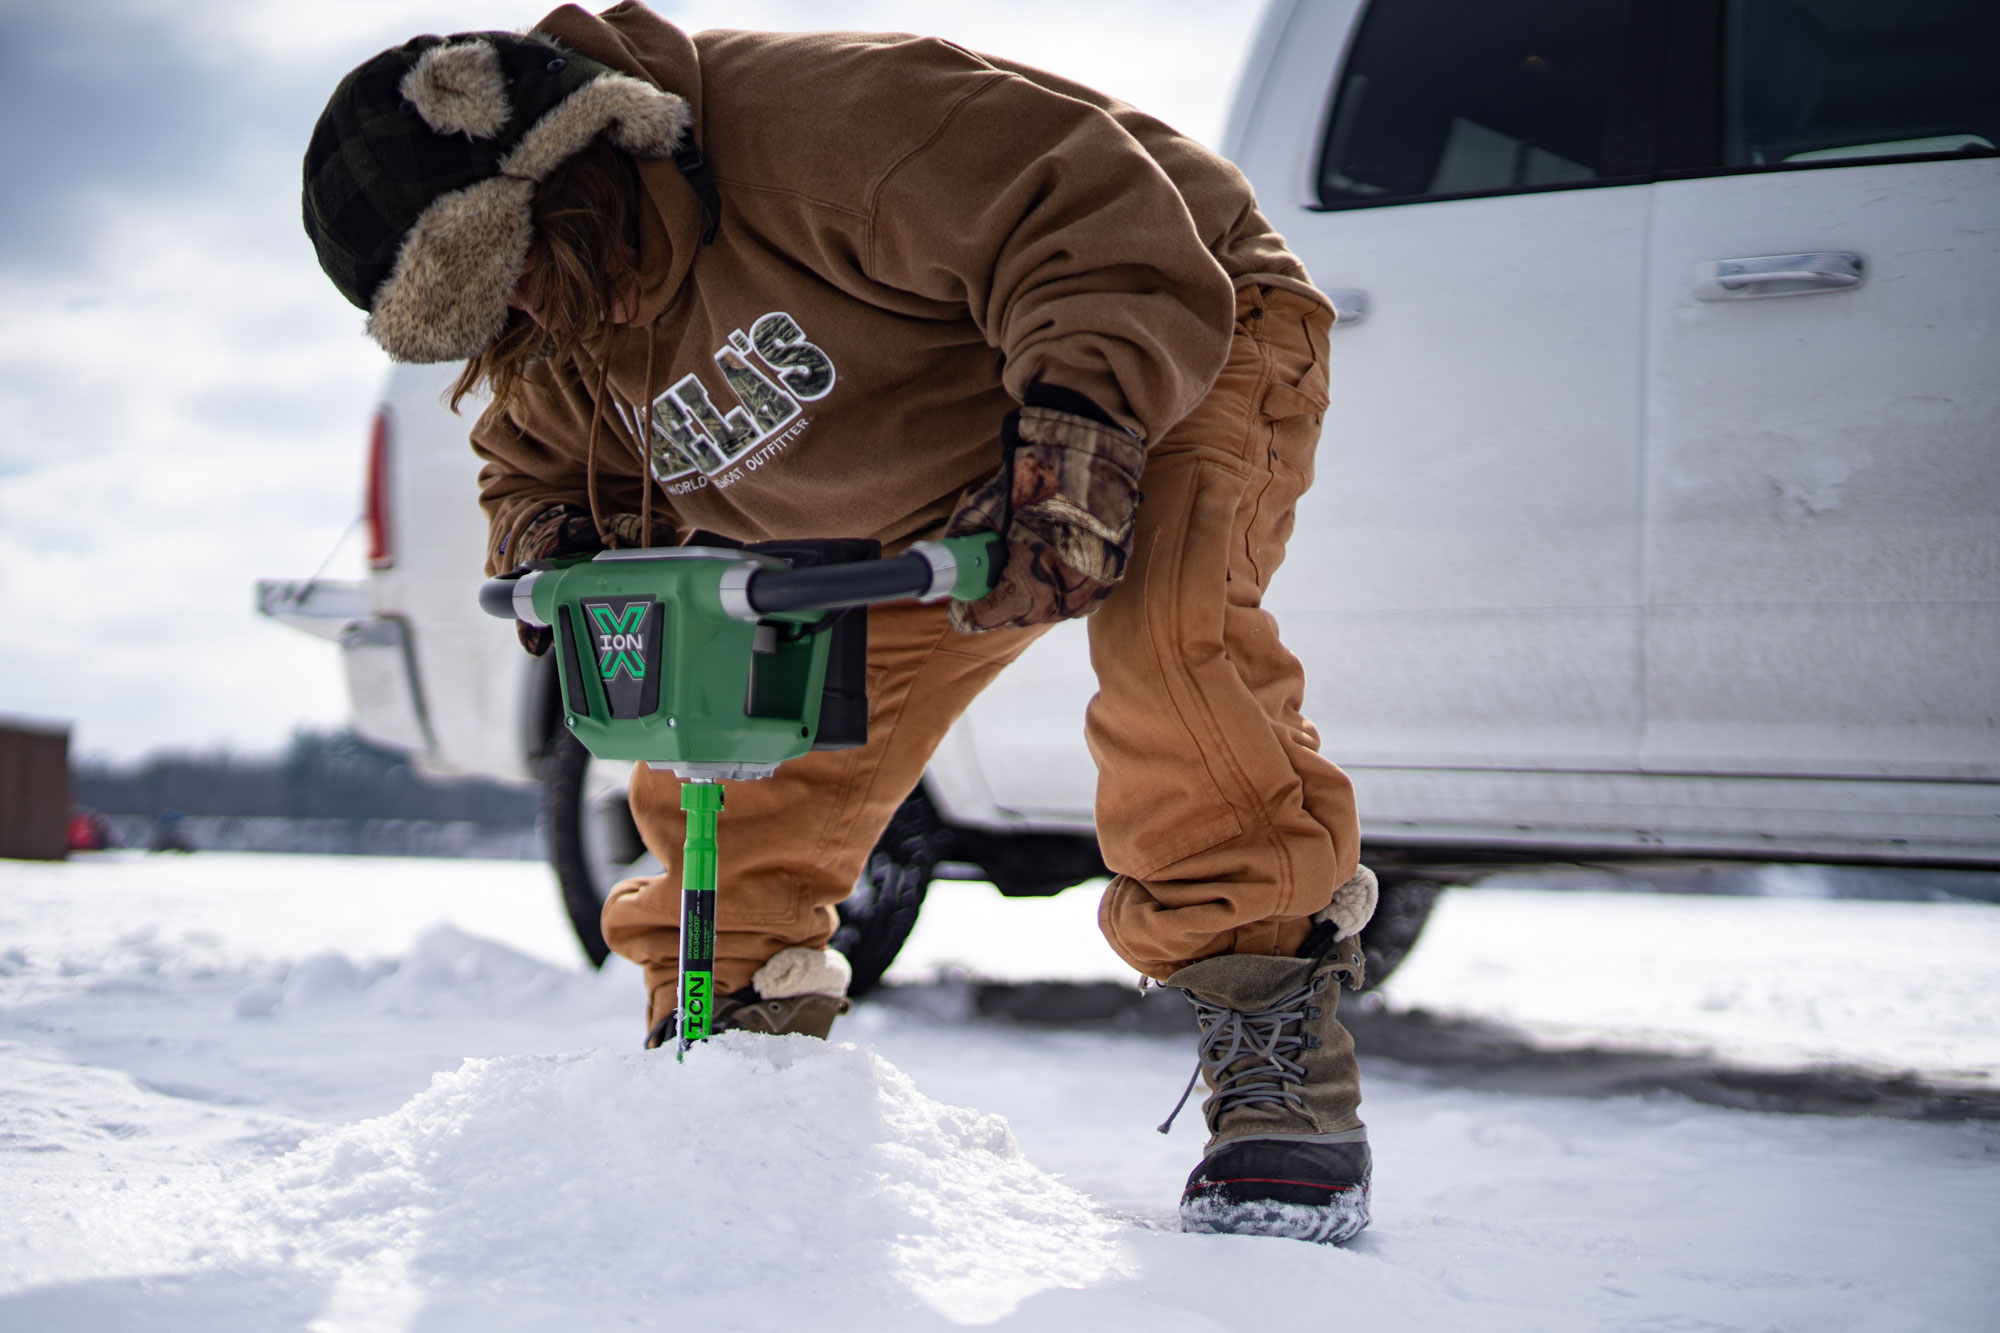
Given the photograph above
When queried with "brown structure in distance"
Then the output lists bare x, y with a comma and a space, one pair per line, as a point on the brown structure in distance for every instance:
34, 790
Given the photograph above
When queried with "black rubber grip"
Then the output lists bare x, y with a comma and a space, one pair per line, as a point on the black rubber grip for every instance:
496, 598
829, 587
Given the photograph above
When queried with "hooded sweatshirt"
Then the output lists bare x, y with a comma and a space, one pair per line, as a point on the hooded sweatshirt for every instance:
911, 235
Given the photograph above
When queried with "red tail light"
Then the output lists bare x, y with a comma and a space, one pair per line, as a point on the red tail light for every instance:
381, 549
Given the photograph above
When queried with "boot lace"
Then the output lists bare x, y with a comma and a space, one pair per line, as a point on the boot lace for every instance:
1270, 1043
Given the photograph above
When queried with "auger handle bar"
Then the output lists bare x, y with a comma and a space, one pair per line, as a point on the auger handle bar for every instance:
751, 588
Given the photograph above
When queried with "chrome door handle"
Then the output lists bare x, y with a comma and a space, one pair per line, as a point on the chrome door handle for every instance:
1818, 277
1349, 306
1779, 275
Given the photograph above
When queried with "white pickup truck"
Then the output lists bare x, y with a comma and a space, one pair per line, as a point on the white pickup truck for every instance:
1658, 508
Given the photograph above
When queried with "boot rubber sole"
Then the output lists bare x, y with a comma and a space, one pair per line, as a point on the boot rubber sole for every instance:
1341, 1217
1307, 1191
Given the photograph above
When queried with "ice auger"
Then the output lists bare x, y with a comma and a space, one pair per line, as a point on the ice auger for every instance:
723, 662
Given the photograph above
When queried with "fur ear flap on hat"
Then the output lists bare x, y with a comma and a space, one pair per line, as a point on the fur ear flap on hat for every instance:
459, 89
458, 266
634, 116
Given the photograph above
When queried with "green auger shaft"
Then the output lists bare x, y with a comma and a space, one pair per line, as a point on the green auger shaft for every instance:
703, 802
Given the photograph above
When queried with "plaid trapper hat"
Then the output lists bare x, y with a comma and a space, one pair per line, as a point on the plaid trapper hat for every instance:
421, 172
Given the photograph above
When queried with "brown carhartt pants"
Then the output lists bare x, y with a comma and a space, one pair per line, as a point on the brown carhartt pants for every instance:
1224, 824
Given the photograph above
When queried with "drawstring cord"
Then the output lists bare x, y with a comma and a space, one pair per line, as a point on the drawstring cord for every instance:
642, 422
641, 427
693, 168
590, 450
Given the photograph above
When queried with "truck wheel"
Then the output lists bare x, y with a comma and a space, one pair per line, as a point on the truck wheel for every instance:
1400, 913
593, 844
878, 916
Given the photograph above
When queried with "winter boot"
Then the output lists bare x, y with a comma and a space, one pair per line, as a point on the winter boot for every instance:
800, 990
1287, 1155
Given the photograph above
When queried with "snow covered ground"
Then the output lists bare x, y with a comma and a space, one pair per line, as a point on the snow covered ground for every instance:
244, 1092
1776, 982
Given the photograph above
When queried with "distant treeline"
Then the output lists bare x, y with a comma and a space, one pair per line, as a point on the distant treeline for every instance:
320, 775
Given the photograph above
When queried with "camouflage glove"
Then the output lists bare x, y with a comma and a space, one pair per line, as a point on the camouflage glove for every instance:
557, 531
1065, 499
562, 530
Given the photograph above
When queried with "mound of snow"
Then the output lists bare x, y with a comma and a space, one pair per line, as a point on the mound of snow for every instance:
763, 1174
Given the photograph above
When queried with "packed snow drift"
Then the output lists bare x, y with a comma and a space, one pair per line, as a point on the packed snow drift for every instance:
527, 1182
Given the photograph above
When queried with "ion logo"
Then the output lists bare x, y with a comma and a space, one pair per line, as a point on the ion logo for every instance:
623, 636
695, 1000
620, 646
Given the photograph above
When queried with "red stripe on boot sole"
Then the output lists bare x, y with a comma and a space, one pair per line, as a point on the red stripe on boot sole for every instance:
1270, 1180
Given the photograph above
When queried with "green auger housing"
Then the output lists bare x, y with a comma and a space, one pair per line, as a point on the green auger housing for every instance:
713, 661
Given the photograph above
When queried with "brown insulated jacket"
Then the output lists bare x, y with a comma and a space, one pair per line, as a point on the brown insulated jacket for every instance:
911, 235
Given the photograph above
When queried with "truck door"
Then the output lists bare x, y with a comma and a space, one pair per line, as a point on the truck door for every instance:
1822, 572
1464, 581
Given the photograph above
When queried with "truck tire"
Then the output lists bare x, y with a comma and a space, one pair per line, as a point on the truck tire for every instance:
593, 844
1400, 913
878, 916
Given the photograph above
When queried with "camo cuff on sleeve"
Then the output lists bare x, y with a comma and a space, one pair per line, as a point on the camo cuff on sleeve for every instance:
1069, 502
562, 530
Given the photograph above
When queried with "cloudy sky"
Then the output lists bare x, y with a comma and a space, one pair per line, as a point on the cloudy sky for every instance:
183, 397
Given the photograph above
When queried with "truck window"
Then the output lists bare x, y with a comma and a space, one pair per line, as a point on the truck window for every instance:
1809, 81
1444, 99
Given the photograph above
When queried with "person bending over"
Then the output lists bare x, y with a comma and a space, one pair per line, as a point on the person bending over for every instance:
788, 285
